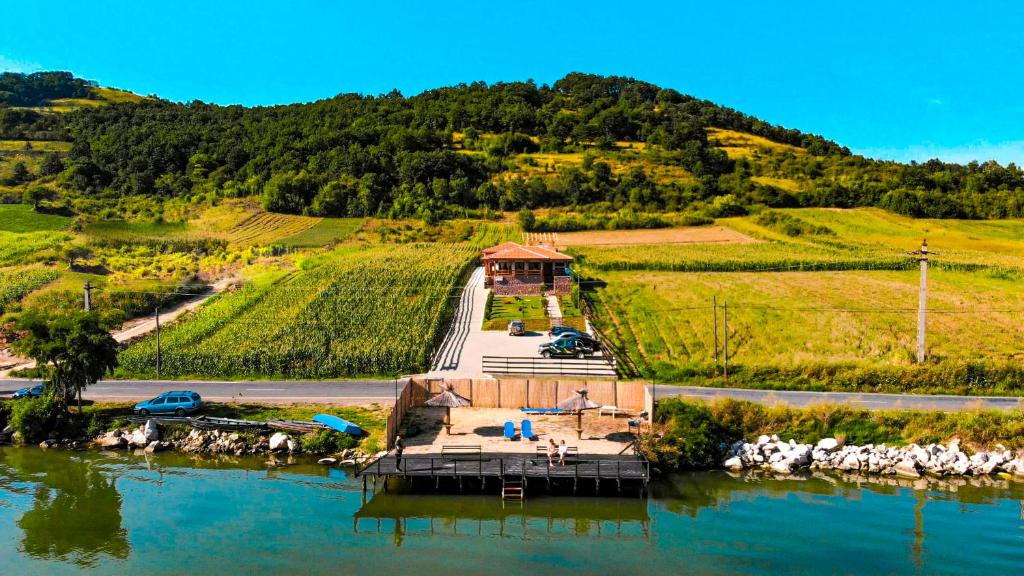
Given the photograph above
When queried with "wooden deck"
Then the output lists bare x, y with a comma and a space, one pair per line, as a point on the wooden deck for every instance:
618, 468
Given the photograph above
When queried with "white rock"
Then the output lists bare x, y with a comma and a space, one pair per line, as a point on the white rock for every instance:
293, 446
279, 441
734, 463
138, 439
851, 462
783, 467
327, 461
907, 468
151, 430
763, 439
828, 444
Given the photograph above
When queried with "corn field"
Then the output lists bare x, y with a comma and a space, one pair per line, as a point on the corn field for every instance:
15, 284
369, 311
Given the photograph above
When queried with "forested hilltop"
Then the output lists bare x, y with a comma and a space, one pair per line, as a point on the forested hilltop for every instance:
601, 143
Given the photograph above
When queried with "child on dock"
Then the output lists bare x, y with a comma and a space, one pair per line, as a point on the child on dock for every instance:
552, 451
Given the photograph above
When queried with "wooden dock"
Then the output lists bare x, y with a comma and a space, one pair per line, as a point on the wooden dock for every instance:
632, 469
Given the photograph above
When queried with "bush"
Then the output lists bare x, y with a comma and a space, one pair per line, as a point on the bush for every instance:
327, 442
693, 438
34, 419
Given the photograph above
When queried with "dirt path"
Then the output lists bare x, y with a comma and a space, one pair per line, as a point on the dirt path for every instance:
139, 327
130, 330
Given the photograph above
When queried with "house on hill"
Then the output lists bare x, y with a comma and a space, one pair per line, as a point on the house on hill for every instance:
511, 269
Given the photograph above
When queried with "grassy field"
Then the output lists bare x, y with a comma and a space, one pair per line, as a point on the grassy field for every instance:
352, 311
846, 298
15, 283
21, 218
37, 145
324, 233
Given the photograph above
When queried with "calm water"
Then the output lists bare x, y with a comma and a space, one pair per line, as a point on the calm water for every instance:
64, 512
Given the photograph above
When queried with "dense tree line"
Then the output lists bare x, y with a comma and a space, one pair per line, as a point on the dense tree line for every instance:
38, 88
423, 155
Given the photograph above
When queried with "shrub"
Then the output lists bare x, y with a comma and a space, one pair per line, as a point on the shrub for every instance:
33, 419
327, 442
693, 438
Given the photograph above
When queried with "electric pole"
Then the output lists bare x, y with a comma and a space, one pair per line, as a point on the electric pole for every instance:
88, 296
725, 320
714, 307
922, 299
156, 313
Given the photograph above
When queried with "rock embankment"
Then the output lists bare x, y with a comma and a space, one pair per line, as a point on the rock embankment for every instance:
212, 442
912, 461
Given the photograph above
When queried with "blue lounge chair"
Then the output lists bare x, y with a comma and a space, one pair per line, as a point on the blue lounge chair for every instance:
510, 431
528, 430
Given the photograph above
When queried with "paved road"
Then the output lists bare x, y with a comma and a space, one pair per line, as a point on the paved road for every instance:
330, 392
870, 401
381, 391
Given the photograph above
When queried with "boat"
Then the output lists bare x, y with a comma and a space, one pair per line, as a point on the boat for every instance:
339, 424
213, 423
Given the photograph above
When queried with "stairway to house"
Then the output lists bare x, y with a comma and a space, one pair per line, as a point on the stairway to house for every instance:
554, 310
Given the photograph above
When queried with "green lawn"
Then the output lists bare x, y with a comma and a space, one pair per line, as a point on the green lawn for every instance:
22, 218
531, 309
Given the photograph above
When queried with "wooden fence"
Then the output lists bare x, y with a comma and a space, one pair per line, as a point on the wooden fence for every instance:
532, 393
402, 405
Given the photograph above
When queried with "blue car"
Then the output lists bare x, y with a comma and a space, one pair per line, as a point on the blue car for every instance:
177, 403
33, 392
557, 331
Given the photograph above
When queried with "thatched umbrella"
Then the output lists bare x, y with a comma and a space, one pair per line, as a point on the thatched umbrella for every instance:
449, 399
578, 402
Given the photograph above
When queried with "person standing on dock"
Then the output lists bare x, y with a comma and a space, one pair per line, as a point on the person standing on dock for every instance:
399, 447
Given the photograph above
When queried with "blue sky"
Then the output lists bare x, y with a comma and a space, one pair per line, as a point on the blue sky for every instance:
902, 80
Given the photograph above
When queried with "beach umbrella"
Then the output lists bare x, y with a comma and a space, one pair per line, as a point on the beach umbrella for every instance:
578, 403
448, 399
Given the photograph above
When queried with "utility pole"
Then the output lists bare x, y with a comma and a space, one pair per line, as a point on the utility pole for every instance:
922, 299
88, 296
156, 313
725, 319
714, 307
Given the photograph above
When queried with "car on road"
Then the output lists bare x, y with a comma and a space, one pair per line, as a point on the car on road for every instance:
557, 331
516, 328
177, 403
29, 392
566, 348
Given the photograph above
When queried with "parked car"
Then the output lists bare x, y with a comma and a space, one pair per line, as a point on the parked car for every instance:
557, 331
586, 338
177, 403
566, 347
516, 328
29, 392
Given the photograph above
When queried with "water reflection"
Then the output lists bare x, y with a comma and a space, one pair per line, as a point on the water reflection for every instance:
76, 509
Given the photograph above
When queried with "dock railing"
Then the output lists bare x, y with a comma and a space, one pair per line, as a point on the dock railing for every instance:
490, 465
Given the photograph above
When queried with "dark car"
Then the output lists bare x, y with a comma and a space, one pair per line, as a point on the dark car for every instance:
585, 338
516, 328
566, 348
557, 331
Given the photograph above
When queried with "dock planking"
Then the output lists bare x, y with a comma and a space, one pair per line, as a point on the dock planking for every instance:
500, 465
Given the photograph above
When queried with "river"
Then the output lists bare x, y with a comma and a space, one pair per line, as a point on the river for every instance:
103, 513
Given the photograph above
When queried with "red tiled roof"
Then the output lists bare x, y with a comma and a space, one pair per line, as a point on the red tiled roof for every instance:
513, 251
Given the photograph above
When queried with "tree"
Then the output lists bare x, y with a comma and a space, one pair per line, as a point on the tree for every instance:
20, 173
52, 165
72, 253
526, 219
74, 350
36, 194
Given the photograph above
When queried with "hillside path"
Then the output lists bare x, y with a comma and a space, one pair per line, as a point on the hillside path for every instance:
137, 327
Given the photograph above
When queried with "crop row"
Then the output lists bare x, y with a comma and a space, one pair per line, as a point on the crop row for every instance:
366, 311
15, 284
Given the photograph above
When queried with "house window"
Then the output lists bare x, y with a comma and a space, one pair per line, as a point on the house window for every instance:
519, 266
533, 266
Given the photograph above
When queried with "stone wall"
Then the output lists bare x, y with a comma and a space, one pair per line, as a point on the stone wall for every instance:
519, 286
563, 285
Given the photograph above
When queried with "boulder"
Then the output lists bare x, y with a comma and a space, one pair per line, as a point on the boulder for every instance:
907, 468
48, 443
156, 446
827, 444
327, 461
294, 446
112, 440
151, 430
279, 441
763, 439
138, 439
783, 467
734, 463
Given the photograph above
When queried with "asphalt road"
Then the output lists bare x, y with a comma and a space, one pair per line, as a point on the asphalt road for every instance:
870, 401
272, 392
381, 391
